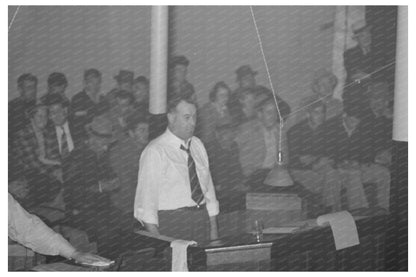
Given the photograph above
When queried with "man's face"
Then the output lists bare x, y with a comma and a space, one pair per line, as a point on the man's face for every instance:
317, 116
222, 97
378, 105
28, 90
179, 73
140, 133
248, 81
182, 120
324, 87
141, 91
60, 89
352, 122
127, 86
123, 103
93, 85
364, 38
268, 115
57, 114
40, 117
98, 145
248, 101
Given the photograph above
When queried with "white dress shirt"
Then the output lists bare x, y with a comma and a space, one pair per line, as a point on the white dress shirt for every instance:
59, 132
28, 230
163, 181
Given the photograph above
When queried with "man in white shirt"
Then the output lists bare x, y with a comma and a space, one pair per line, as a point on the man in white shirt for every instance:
175, 189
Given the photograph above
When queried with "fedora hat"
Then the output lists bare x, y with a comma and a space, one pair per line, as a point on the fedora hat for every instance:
125, 76
182, 60
244, 70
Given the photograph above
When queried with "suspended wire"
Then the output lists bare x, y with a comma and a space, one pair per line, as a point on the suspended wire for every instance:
270, 80
14, 16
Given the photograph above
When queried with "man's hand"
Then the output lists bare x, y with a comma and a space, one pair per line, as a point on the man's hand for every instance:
88, 258
383, 158
57, 173
323, 163
213, 227
152, 228
307, 159
347, 165
110, 185
81, 113
19, 189
360, 76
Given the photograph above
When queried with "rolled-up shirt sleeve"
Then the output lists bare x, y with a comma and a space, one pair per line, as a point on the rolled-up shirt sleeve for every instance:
28, 230
146, 203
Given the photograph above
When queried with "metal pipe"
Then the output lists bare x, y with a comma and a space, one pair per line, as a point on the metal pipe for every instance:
400, 87
158, 60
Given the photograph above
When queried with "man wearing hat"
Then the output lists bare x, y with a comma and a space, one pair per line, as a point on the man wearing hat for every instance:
363, 59
247, 85
178, 67
125, 80
88, 182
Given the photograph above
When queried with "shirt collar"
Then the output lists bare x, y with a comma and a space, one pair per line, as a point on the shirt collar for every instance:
349, 131
64, 127
174, 140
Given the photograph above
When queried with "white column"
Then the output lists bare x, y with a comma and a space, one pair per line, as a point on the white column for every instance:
400, 88
158, 60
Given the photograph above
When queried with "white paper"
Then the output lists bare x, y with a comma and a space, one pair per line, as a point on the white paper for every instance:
179, 254
343, 228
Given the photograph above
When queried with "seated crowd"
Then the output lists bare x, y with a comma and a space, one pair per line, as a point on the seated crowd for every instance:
82, 155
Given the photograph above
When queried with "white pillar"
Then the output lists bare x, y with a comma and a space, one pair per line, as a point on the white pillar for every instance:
158, 60
400, 87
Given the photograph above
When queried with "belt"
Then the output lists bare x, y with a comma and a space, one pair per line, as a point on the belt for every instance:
193, 208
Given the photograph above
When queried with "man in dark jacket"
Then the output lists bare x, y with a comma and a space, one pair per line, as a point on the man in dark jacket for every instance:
88, 182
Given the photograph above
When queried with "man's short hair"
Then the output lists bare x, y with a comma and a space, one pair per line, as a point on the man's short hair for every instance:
57, 79
55, 99
142, 79
324, 73
92, 73
174, 101
133, 120
26, 77
214, 91
32, 110
182, 60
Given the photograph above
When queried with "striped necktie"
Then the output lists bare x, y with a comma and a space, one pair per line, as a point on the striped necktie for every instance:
196, 191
